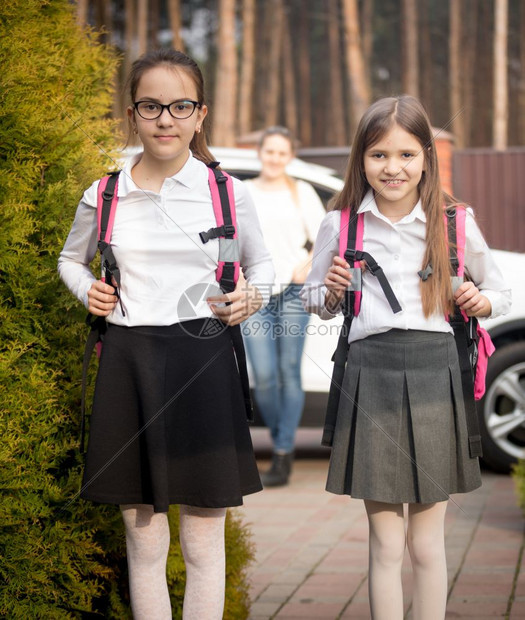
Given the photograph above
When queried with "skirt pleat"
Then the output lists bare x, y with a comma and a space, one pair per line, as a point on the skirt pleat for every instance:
401, 432
169, 423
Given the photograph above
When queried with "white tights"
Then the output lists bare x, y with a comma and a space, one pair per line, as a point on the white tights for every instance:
425, 539
201, 535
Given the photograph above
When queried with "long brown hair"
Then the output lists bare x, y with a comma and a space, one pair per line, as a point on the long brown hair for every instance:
409, 114
176, 60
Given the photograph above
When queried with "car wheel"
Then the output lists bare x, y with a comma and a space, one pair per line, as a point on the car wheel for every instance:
502, 409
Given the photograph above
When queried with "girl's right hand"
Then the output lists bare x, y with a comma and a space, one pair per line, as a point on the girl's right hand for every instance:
336, 281
101, 298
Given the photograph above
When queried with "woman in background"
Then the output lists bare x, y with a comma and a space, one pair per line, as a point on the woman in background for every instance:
290, 213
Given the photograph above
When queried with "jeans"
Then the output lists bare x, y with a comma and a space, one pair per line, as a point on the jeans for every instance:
274, 341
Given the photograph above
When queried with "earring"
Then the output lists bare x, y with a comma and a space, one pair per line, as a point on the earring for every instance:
198, 129
135, 130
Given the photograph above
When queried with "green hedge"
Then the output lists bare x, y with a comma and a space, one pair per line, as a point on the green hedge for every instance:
518, 473
60, 557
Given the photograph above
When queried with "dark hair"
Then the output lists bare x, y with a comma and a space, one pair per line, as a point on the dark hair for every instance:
408, 113
176, 60
278, 130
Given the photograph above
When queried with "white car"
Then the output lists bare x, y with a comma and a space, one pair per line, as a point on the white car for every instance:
502, 410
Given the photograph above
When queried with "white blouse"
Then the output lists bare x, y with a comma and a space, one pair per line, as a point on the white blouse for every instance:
166, 270
285, 224
399, 248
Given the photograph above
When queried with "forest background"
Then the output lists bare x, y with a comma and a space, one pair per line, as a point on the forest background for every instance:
315, 65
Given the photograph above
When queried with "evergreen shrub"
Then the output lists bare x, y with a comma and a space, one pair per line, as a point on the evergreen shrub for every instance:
60, 557
518, 473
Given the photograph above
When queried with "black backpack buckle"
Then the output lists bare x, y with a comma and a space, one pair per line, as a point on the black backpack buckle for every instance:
351, 256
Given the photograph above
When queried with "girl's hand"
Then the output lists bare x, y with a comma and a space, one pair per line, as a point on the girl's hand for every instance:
101, 298
302, 269
244, 301
336, 281
470, 300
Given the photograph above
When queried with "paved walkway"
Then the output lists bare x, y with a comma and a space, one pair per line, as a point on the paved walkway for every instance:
312, 551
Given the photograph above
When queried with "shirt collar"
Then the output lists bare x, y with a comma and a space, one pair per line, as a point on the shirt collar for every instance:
188, 175
369, 204
125, 181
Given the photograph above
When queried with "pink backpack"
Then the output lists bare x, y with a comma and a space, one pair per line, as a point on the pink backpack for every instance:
472, 341
479, 344
227, 272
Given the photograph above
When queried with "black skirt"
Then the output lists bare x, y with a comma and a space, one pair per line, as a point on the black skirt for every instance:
169, 423
401, 432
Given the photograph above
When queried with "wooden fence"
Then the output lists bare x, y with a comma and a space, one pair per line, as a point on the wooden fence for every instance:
493, 182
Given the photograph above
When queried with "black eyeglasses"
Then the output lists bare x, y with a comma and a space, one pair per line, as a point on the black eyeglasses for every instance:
150, 110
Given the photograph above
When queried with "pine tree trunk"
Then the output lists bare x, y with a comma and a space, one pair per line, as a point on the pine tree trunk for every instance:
360, 92
410, 52
500, 92
153, 24
174, 10
274, 64
426, 58
454, 55
483, 120
129, 27
289, 89
521, 92
225, 108
469, 65
305, 102
263, 19
82, 12
104, 20
336, 129
247, 67
142, 26
367, 14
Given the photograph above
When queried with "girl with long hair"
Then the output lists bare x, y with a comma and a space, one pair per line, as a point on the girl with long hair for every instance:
400, 437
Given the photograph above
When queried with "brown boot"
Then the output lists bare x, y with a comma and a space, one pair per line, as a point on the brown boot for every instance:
279, 472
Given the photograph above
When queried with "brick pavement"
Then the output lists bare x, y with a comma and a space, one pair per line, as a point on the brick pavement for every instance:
312, 551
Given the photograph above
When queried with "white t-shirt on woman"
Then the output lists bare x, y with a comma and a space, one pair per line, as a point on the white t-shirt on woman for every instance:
286, 225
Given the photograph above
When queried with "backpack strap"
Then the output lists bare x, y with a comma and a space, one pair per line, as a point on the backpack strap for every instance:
461, 324
228, 267
107, 199
354, 254
351, 234
349, 237
106, 209
221, 188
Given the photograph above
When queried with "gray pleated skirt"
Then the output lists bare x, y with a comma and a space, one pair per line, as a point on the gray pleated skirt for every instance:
401, 433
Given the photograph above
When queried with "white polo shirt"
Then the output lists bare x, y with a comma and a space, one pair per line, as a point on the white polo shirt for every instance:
399, 249
157, 246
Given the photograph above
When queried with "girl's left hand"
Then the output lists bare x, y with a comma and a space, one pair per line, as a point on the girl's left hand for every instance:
470, 300
244, 301
302, 269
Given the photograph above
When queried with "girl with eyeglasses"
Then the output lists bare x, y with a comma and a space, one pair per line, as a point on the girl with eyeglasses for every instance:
169, 422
